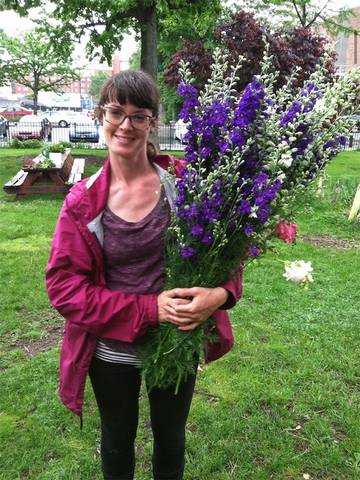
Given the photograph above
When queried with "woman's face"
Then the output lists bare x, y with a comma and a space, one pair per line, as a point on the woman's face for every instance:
125, 140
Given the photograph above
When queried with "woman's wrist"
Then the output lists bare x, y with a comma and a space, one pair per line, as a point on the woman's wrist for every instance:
222, 296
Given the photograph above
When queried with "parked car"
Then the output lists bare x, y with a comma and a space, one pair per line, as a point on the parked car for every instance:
27, 103
32, 128
15, 111
83, 128
3, 126
180, 128
61, 118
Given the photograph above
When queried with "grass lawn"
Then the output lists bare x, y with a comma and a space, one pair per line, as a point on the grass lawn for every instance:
283, 404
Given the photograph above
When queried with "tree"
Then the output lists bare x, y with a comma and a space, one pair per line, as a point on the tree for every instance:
97, 81
243, 35
323, 16
170, 42
31, 61
105, 23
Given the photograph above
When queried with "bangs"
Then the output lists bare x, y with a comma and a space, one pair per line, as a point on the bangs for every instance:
131, 87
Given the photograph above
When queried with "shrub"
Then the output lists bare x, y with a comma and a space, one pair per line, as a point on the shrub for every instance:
26, 143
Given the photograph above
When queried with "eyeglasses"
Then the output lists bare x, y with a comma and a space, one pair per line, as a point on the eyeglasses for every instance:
117, 117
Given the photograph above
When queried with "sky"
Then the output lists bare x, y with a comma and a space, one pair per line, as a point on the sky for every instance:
10, 22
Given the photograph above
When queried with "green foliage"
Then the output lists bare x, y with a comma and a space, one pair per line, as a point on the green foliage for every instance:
301, 13
169, 42
244, 39
33, 61
193, 343
26, 143
147, 19
56, 147
97, 81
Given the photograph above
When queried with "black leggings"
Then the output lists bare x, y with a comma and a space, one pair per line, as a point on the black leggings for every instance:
116, 388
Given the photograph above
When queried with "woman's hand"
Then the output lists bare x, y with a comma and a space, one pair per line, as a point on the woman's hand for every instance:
189, 307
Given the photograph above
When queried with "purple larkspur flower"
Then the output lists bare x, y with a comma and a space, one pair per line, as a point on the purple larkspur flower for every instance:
329, 145
254, 250
244, 207
197, 230
263, 214
208, 238
248, 106
342, 141
191, 99
186, 252
249, 229
289, 117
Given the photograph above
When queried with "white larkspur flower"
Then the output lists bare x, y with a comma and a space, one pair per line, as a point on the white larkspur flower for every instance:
253, 213
286, 160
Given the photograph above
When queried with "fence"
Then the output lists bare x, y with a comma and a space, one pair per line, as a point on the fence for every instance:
89, 135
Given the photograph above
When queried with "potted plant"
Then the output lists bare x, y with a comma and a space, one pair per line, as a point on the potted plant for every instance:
55, 152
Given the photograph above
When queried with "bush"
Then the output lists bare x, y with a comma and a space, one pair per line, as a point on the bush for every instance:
26, 143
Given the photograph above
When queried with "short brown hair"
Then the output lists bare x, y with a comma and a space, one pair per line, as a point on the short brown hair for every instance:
131, 86
135, 87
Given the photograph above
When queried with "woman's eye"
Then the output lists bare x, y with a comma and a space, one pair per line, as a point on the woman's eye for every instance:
116, 113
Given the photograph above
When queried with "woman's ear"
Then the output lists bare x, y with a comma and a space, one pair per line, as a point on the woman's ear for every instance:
99, 115
154, 124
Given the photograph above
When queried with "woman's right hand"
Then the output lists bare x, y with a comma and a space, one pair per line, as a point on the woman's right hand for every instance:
166, 303
189, 307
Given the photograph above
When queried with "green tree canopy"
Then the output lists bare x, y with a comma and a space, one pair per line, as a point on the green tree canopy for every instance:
296, 49
300, 13
105, 23
97, 81
30, 60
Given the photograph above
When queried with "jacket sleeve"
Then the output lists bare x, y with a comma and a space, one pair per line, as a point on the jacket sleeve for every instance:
234, 287
76, 287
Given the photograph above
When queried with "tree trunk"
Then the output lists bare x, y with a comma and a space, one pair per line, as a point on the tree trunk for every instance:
36, 93
149, 40
149, 62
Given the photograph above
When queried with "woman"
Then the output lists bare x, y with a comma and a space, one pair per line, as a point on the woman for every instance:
105, 276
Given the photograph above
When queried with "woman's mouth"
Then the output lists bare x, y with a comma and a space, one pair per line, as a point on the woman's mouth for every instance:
123, 139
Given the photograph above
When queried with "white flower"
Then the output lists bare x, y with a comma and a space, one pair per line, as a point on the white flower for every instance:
299, 272
286, 160
253, 211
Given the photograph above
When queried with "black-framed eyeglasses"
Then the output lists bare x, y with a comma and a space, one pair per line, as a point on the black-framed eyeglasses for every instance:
116, 116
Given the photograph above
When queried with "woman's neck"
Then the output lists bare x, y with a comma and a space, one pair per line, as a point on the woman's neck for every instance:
130, 170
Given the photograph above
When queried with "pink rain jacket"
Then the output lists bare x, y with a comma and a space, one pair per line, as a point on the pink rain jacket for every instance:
75, 279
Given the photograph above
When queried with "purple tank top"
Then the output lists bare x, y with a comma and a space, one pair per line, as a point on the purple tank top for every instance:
134, 256
134, 251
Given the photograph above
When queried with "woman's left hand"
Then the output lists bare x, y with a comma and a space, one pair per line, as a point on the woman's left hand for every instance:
192, 306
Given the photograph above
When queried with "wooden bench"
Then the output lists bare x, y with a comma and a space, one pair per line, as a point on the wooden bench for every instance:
77, 171
16, 181
52, 180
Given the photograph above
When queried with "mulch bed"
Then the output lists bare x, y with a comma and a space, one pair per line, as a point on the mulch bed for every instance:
325, 241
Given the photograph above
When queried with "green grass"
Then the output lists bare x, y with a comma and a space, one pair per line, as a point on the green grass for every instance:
282, 404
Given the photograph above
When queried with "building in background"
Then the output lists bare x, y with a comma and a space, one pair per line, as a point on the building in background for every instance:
75, 96
348, 46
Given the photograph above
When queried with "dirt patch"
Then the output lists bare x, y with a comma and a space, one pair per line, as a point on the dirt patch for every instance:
31, 347
95, 161
52, 334
325, 241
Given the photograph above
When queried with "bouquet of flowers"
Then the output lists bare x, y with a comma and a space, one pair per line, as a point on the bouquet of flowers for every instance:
248, 161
